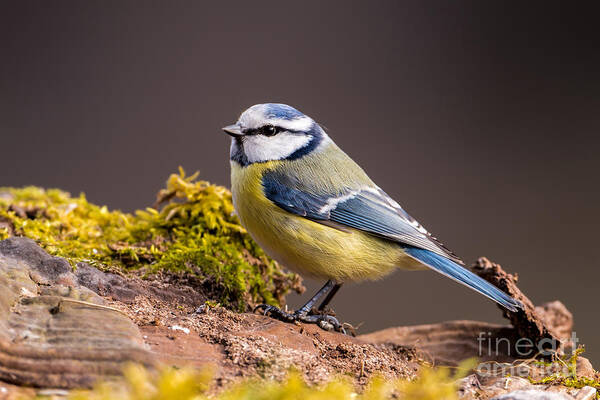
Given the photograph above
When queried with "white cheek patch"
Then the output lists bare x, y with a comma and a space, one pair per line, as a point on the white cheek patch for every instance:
259, 148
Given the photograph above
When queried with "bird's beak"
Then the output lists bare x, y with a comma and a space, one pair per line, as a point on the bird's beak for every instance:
233, 130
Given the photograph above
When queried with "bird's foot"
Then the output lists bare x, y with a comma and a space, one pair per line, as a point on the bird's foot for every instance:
324, 321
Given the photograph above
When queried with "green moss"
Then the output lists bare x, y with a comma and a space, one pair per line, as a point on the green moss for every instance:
188, 383
195, 231
568, 375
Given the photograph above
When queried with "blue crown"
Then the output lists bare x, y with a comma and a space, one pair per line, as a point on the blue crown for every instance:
282, 111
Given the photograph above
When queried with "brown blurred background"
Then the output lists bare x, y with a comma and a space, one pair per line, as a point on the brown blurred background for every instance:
480, 118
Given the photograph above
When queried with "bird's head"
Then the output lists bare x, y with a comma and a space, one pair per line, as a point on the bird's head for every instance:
267, 132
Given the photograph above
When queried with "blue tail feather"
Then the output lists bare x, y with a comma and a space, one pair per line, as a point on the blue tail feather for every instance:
462, 275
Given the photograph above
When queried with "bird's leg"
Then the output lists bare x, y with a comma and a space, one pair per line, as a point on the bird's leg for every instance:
302, 311
302, 314
326, 289
330, 295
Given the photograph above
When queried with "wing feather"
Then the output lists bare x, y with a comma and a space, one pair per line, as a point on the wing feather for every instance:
368, 209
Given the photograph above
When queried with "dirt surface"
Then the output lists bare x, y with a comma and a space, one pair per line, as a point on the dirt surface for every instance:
242, 345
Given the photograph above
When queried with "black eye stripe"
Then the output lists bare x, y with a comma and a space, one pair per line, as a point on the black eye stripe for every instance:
266, 130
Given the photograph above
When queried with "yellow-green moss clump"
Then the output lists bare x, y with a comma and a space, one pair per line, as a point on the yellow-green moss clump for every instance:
194, 232
188, 384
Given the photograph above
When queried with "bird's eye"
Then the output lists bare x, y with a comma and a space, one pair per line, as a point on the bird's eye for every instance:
269, 130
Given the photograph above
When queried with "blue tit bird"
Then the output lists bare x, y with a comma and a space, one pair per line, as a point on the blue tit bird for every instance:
314, 210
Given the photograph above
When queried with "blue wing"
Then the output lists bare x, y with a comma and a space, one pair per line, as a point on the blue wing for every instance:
371, 210
368, 209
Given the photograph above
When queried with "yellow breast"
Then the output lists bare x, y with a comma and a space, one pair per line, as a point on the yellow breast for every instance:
306, 246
